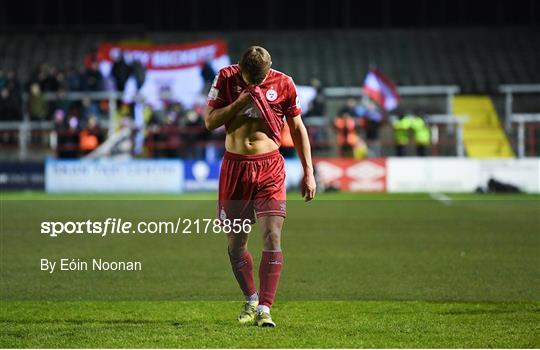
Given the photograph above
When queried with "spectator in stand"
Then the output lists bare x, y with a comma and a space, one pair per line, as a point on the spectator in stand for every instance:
317, 107
60, 102
349, 108
139, 73
371, 120
10, 96
93, 80
171, 134
346, 135
153, 136
3, 79
346, 129
121, 72
71, 145
10, 108
193, 134
90, 137
13, 85
50, 83
37, 105
208, 75
59, 135
89, 109
61, 79
74, 81
38, 76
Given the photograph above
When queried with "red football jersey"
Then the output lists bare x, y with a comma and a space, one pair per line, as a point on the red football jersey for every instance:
278, 90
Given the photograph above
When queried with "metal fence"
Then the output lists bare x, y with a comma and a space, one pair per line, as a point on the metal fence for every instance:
28, 139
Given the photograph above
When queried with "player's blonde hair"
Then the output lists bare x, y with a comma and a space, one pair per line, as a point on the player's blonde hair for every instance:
255, 63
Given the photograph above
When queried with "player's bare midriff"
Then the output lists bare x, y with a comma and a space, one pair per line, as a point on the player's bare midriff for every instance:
247, 135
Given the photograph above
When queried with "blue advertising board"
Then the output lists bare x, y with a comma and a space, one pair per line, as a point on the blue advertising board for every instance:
201, 175
22, 176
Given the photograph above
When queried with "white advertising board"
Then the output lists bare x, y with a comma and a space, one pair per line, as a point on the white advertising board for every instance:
154, 176
460, 174
523, 173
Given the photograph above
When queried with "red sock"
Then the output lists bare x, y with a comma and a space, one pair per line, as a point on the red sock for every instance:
242, 267
269, 272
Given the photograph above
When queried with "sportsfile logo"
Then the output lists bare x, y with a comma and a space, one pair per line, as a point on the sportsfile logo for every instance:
110, 225
120, 226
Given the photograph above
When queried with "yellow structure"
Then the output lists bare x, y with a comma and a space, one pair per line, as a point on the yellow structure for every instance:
483, 135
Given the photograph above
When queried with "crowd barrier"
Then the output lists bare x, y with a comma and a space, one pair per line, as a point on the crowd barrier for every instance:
427, 174
123, 176
409, 174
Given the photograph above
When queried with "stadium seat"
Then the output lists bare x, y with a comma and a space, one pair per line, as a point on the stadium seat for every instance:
477, 60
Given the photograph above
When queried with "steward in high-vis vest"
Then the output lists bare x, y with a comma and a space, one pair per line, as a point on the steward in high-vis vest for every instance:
421, 134
346, 135
401, 128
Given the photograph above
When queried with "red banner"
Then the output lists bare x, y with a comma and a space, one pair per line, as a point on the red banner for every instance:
352, 175
169, 56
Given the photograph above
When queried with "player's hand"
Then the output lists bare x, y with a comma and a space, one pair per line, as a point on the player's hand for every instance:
243, 99
309, 187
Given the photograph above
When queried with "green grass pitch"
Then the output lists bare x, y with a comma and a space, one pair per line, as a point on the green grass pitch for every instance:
361, 270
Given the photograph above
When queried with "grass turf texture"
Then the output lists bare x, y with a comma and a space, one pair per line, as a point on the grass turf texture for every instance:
360, 271
370, 324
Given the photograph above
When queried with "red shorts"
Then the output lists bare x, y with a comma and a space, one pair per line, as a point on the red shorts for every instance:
252, 185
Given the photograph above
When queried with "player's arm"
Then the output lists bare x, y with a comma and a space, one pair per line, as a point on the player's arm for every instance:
300, 139
216, 117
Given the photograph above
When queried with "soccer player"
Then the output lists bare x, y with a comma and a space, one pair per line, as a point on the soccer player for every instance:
252, 100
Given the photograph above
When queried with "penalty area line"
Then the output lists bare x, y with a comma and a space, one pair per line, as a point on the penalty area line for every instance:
441, 197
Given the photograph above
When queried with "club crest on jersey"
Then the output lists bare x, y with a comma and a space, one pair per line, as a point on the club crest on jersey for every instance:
271, 95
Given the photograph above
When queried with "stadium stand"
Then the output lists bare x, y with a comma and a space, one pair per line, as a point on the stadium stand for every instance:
477, 60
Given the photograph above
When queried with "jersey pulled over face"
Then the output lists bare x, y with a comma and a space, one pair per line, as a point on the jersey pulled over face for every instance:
278, 89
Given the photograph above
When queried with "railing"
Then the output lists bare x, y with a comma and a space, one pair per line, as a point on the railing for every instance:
509, 91
23, 134
23, 130
448, 119
429, 90
521, 120
110, 96
37, 140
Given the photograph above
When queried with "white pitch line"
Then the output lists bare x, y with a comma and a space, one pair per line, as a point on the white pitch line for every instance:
441, 197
